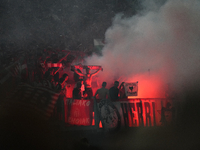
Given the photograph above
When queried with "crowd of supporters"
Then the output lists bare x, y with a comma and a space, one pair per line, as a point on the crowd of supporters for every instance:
40, 68
53, 69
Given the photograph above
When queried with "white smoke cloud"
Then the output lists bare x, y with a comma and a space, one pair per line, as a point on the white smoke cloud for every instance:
159, 45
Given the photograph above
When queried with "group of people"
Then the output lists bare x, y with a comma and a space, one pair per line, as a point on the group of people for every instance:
114, 93
83, 84
84, 88
35, 71
51, 77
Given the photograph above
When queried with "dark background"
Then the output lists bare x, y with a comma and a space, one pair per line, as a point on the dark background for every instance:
58, 24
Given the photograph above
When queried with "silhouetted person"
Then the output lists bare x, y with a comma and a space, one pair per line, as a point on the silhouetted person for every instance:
48, 73
77, 91
122, 90
114, 91
88, 80
61, 86
102, 93
77, 77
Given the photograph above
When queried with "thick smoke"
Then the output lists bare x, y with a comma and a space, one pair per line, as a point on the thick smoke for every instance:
156, 47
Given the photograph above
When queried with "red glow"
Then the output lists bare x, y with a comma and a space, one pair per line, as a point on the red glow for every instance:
79, 112
100, 124
148, 86
93, 121
133, 112
145, 112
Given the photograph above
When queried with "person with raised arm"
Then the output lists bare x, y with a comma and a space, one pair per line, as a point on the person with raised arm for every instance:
88, 80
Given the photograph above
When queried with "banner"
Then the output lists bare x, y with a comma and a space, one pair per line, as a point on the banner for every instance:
54, 65
108, 114
146, 112
125, 113
131, 89
85, 67
78, 112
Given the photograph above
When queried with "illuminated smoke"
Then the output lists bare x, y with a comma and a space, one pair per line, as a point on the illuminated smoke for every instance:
158, 46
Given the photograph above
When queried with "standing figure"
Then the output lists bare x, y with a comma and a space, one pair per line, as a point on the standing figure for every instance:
102, 93
48, 79
48, 73
114, 91
82, 88
77, 91
122, 93
77, 77
88, 80
61, 86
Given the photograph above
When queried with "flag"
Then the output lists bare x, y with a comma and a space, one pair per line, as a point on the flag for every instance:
54, 65
131, 89
85, 67
37, 100
98, 44
78, 112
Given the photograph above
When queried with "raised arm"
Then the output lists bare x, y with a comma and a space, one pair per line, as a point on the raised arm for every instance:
79, 73
95, 73
63, 58
46, 59
57, 70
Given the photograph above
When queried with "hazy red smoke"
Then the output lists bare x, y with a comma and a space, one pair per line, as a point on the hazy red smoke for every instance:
155, 47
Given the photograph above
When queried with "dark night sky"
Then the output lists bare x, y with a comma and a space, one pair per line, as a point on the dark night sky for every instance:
60, 24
